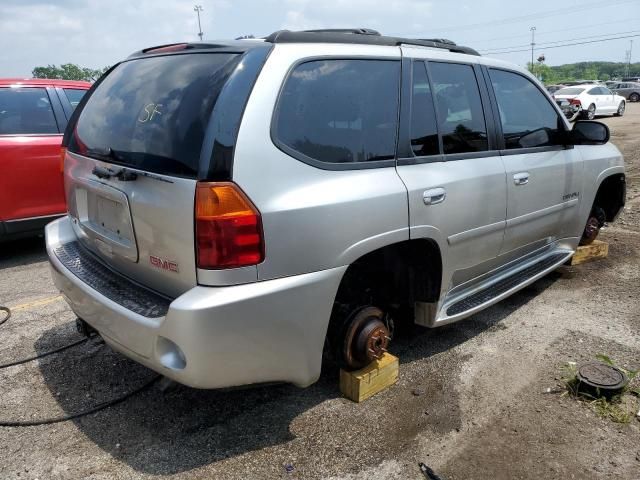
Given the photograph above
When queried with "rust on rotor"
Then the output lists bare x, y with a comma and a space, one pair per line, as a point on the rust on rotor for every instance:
591, 230
366, 339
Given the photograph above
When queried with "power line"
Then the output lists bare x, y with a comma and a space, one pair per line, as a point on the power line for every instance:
531, 16
590, 37
565, 45
547, 32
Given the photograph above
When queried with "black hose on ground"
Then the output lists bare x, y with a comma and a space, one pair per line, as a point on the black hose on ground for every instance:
7, 316
35, 357
71, 416
42, 355
88, 411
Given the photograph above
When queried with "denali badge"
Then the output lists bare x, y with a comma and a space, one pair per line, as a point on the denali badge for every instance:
163, 264
570, 196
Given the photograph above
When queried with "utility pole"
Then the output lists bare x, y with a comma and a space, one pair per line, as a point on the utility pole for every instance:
198, 9
533, 43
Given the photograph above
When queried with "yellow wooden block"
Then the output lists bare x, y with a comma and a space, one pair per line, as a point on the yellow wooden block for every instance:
588, 253
373, 378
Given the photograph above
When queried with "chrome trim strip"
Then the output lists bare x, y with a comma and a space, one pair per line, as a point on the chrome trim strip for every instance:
27, 219
512, 222
475, 232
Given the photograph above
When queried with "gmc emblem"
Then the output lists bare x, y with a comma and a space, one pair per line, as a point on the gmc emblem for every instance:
163, 264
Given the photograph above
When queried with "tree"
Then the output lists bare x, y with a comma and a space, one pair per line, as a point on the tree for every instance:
68, 71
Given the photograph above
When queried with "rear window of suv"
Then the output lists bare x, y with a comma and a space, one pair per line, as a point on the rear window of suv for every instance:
151, 113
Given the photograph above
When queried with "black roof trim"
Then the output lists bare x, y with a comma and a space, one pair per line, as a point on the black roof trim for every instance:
363, 36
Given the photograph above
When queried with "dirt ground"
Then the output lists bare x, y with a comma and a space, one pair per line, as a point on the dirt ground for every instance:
482, 409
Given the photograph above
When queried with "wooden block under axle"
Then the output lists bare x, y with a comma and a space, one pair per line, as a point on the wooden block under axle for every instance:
588, 253
373, 378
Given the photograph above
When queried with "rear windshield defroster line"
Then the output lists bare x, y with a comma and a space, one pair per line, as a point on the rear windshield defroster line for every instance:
152, 113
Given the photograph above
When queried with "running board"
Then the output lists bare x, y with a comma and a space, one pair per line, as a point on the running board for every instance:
500, 286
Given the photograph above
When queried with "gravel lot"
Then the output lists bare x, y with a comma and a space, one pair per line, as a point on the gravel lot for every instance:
483, 413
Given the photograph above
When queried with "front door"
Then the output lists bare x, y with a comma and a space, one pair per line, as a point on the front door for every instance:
543, 176
456, 185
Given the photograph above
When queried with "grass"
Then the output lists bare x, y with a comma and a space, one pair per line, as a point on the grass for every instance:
615, 408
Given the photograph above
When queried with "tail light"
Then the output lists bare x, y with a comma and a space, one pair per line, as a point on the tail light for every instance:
228, 227
575, 101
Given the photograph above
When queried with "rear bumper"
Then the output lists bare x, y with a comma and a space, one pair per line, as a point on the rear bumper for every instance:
213, 337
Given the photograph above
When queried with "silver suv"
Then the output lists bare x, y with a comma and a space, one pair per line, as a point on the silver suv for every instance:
237, 209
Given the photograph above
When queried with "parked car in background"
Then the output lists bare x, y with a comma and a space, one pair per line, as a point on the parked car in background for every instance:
312, 200
588, 101
628, 90
554, 88
33, 116
631, 79
583, 82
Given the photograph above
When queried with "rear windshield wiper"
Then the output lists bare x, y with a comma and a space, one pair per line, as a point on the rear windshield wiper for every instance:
107, 154
121, 174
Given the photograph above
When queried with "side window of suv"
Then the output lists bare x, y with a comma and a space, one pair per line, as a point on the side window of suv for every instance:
339, 111
528, 119
459, 107
424, 127
25, 111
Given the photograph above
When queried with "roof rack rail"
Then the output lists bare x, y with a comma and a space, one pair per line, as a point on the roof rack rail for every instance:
364, 36
353, 31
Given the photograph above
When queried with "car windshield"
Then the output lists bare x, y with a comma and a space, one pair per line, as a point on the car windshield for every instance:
570, 91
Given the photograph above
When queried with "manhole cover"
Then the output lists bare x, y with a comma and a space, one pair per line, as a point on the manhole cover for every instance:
602, 376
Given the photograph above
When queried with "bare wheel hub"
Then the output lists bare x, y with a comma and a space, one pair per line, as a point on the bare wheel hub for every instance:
591, 230
367, 338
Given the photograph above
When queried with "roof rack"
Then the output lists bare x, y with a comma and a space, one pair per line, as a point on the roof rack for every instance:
364, 36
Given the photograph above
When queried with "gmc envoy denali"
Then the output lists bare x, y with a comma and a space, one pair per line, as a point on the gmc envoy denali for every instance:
238, 209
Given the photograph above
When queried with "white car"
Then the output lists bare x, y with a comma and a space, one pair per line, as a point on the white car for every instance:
589, 101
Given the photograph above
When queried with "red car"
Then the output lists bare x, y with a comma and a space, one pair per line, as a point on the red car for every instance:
33, 116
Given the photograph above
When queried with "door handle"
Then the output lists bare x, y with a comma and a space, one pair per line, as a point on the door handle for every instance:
521, 178
434, 196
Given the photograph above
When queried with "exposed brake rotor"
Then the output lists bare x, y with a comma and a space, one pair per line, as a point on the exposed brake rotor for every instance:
591, 230
366, 338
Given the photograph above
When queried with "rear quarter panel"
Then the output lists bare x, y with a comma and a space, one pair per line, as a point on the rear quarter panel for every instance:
313, 219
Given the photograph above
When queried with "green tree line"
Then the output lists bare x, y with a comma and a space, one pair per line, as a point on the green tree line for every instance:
583, 71
68, 71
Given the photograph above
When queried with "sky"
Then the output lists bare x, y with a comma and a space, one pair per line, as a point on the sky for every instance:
97, 33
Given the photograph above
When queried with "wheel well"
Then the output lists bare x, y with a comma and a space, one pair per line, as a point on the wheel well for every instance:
611, 195
394, 276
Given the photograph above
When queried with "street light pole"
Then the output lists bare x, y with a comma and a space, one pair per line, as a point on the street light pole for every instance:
198, 9
533, 43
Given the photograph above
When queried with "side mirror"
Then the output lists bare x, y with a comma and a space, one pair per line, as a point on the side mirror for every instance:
587, 132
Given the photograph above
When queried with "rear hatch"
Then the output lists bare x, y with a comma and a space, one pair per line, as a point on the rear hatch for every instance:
132, 164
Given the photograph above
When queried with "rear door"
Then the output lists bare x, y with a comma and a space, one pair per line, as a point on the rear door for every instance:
454, 176
133, 161
30, 136
543, 176
605, 101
